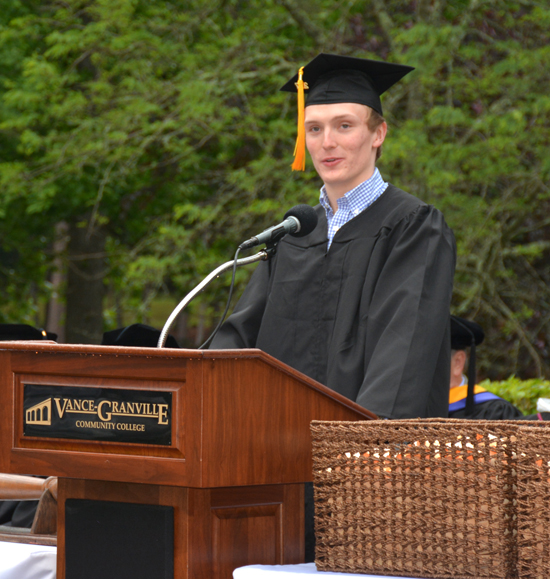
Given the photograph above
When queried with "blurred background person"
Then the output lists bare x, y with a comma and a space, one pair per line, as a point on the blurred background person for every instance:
466, 398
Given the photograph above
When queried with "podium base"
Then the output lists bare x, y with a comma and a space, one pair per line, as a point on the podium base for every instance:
186, 533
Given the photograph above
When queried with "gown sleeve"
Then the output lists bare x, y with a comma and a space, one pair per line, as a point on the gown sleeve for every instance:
242, 327
407, 347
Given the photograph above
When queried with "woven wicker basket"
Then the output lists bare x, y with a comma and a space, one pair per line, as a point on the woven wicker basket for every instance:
426, 498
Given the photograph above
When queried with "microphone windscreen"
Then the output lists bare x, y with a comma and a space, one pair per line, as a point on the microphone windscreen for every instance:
307, 217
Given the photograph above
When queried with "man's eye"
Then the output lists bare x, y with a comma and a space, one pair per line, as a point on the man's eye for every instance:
346, 125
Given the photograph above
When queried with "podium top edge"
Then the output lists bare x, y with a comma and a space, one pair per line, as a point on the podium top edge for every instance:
93, 349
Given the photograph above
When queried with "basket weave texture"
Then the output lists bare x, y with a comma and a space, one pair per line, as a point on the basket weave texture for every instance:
533, 498
429, 498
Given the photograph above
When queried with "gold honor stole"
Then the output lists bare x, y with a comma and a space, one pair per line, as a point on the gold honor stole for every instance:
457, 396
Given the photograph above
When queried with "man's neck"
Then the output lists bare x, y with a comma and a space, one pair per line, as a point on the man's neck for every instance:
458, 381
336, 191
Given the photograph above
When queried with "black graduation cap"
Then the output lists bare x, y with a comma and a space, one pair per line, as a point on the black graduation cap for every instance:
463, 332
467, 334
331, 79
136, 335
24, 332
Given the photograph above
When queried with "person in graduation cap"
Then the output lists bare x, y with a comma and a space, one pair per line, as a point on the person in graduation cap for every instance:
466, 398
360, 304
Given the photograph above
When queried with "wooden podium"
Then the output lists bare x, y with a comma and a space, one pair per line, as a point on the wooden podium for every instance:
228, 464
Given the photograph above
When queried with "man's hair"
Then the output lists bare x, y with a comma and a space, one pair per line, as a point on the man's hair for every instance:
374, 120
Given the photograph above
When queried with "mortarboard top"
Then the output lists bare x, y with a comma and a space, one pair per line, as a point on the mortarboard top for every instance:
24, 332
344, 79
333, 79
463, 332
136, 335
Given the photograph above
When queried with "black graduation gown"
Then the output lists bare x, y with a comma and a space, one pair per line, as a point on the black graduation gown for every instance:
17, 513
370, 317
490, 410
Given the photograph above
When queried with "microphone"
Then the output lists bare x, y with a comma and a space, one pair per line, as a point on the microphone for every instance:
299, 221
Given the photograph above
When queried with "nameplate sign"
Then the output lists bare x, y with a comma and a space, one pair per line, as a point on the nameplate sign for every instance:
102, 414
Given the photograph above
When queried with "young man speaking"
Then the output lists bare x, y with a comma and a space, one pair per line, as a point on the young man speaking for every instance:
361, 304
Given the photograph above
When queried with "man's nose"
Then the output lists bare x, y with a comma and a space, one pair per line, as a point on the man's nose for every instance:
328, 140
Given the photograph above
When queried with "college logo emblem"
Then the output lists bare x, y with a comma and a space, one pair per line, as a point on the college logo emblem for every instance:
40, 413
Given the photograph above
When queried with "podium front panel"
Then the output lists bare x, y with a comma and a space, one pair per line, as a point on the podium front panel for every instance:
101, 414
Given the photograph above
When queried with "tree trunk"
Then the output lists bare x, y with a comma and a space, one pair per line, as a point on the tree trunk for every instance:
85, 287
56, 306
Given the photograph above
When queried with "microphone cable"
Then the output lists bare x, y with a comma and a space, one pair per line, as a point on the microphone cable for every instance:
211, 337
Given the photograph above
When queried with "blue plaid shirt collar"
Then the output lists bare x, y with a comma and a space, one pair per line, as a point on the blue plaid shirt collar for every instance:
352, 203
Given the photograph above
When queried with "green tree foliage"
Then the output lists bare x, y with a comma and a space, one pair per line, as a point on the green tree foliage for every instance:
102, 113
161, 123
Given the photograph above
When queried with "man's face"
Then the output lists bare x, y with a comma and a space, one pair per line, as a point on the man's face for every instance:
341, 145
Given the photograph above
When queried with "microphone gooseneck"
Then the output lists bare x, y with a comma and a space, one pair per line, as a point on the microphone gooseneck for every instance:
262, 255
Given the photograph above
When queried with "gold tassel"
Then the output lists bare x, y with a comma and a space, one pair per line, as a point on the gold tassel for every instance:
300, 148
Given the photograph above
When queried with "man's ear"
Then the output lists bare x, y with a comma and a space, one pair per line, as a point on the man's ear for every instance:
381, 131
458, 361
